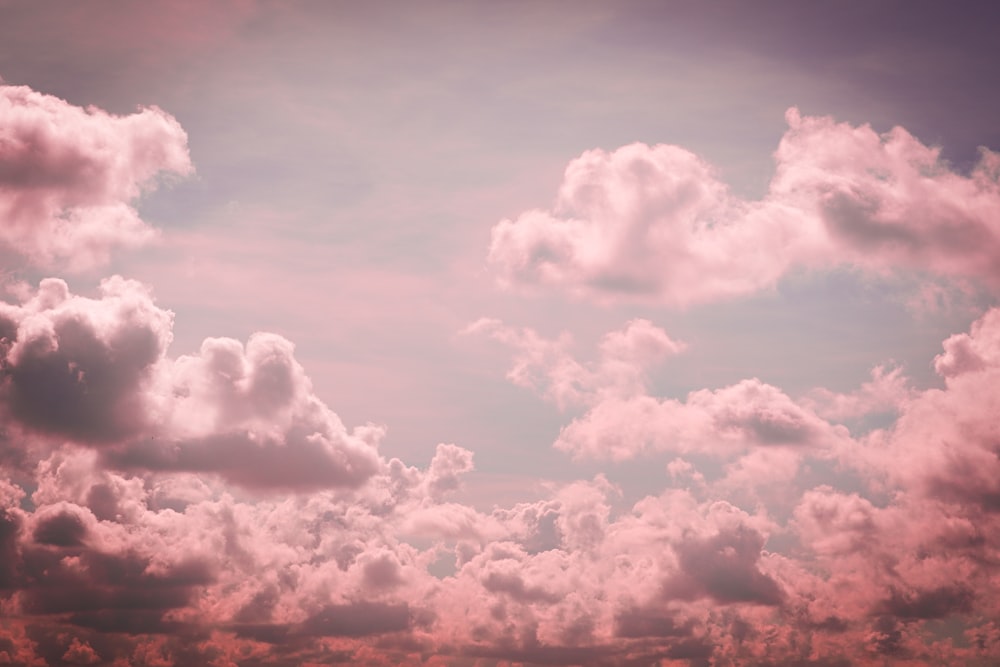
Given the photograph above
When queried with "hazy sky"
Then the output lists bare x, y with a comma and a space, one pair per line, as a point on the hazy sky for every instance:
549, 333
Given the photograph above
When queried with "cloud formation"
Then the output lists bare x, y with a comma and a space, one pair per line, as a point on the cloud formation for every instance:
211, 509
162, 565
656, 224
81, 368
868, 577
622, 420
69, 176
94, 372
548, 367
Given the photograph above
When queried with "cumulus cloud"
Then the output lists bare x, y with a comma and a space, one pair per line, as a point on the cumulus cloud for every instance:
889, 200
656, 223
69, 176
80, 654
250, 414
747, 414
622, 420
450, 462
549, 367
944, 443
80, 368
646, 220
973, 351
887, 390
94, 371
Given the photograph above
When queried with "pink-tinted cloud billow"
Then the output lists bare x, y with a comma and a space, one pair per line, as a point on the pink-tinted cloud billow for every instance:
389, 390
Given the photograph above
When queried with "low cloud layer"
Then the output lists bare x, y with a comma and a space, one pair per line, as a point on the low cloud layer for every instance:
655, 223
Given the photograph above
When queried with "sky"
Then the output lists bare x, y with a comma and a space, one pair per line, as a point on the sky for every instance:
493, 334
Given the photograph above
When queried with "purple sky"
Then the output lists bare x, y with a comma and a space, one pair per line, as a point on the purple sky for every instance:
551, 333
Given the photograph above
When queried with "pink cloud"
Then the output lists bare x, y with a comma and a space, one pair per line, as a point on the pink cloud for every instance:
944, 444
885, 392
271, 572
95, 372
450, 462
80, 654
549, 367
835, 524
69, 176
81, 368
652, 221
764, 475
719, 422
327, 574
655, 223
250, 414
623, 421
973, 351
211, 509
889, 201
